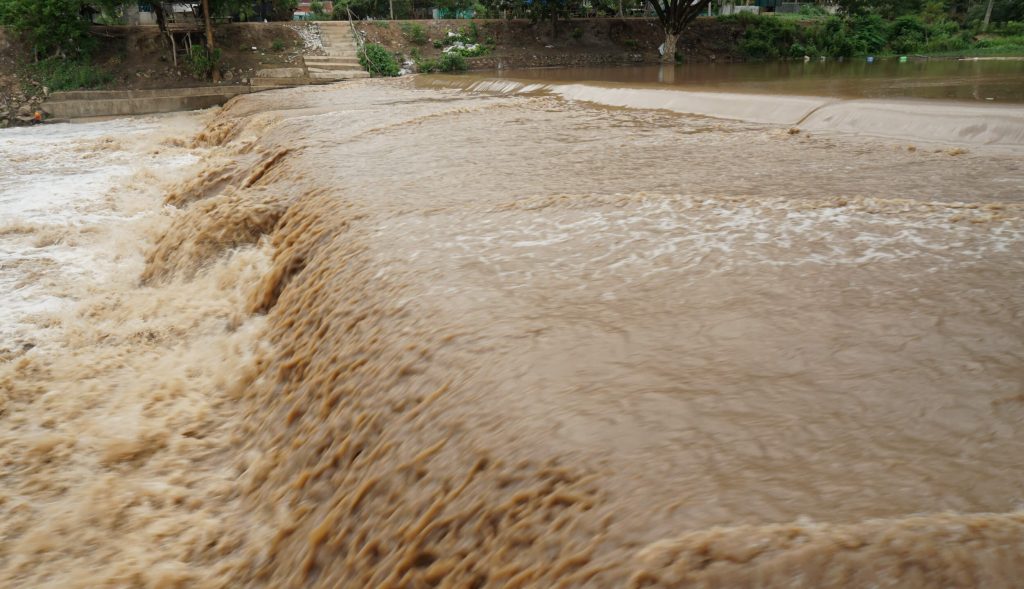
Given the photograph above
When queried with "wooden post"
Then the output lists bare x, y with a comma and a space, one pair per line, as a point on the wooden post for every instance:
215, 74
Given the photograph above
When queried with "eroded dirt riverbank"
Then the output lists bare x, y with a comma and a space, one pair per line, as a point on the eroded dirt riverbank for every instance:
423, 337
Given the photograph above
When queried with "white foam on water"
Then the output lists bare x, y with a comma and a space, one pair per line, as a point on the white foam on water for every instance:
693, 237
57, 178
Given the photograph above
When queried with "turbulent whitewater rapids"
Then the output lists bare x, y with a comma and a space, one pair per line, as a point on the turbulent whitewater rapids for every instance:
414, 337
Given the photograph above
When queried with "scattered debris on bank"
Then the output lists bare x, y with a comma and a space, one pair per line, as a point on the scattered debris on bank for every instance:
312, 41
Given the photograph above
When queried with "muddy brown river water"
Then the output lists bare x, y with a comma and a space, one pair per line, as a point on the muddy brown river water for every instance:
412, 334
997, 80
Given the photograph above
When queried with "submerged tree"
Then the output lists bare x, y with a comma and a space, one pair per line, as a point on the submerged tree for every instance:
674, 16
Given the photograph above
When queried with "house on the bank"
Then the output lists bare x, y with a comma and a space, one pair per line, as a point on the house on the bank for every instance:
142, 13
305, 8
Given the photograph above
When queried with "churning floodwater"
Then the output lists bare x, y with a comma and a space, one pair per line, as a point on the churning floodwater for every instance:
444, 333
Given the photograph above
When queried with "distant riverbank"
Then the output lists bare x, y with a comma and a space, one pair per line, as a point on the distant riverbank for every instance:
140, 58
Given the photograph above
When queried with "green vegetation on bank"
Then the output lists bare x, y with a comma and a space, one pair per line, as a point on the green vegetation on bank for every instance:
447, 62
57, 33
63, 52
377, 60
415, 33
67, 74
767, 37
202, 62
886, 27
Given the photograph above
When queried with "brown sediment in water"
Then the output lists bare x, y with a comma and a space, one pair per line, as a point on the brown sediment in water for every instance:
515, 342
941, 550
233, 218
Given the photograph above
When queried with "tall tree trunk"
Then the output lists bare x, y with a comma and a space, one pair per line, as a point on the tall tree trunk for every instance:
161, 17
988, 16
671, 40
215, 72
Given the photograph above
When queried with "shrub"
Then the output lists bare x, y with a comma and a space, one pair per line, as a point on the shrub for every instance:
61, 74
277, 46
868, 33
472, 34
577, 33
201, 62
908, 34
415, 33
378, 61
449, 62
768, 37
813, 11
840, 37
452, 62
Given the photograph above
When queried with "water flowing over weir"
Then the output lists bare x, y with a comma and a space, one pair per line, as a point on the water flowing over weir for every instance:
516, 341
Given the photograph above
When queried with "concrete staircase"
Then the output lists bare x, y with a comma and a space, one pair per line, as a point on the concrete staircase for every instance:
341, 61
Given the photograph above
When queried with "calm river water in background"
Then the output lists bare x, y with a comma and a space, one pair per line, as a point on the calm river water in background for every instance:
993, 80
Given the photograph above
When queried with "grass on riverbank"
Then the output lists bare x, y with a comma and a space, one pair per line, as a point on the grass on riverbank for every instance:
65, 74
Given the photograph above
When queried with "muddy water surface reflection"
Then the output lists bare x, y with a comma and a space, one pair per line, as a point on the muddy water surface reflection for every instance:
996, 80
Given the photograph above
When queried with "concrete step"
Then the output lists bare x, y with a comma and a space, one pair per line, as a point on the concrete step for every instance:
281, 82
338, 75
323, 67
343, 64
324, 58
280, 72
342, 69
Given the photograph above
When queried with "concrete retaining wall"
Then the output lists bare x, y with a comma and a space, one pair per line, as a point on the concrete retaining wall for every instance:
104, 103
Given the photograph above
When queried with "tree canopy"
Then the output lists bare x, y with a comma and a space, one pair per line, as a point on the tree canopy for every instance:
53, 27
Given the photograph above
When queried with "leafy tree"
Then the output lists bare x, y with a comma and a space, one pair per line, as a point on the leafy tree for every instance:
888, 9
674, 16
547, 9
1002, 11
55, 28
